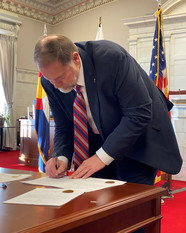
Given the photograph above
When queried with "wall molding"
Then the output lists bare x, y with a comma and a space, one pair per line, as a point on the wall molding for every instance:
27, 76
9, 24
46, 13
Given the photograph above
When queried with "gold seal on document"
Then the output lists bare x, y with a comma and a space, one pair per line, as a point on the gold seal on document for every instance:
110, 182
68, 191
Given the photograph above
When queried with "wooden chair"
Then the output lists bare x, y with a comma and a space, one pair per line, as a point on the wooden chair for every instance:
162, 176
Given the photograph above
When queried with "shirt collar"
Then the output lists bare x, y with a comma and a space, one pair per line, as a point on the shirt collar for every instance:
81, 80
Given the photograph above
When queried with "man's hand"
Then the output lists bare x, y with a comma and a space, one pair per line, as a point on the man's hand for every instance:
88, 167
51, 170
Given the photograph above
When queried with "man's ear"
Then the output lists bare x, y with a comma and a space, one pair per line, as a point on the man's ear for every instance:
76, 58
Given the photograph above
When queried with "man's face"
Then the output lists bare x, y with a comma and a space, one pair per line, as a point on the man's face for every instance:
62, 77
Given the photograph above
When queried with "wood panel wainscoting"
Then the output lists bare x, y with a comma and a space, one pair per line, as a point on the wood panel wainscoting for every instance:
28, 142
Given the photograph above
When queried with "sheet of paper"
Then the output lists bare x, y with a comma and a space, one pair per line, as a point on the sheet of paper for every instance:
7, 177
86, 185
45, 196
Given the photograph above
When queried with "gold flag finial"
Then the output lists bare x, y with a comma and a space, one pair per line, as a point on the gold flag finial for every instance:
99, 21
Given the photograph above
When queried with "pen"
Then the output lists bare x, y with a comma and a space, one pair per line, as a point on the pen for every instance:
57, 164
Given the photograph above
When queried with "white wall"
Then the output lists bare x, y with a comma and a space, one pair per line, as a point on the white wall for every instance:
29, 33
84, 26
27, 72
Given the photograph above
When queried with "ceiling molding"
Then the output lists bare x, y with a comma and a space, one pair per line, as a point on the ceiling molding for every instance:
50, 11
9, 24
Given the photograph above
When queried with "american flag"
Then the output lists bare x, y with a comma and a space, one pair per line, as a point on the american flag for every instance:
158, 69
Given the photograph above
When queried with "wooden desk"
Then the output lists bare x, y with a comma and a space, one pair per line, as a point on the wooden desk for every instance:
119, 209
28, 142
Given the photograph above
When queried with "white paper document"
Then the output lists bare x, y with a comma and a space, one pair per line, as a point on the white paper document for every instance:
7, 177
86, 185
45, 196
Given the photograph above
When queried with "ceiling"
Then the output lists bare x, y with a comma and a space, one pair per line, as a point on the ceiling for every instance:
50, 11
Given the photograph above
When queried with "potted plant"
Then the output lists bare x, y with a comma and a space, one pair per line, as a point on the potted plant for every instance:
4, 119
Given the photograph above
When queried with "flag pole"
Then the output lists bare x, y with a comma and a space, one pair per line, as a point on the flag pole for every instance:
168, 176
158, 73
166, 81
158, 45
99, 35
45, 30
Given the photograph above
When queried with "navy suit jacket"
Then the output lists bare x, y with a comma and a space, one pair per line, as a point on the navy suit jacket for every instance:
130, 112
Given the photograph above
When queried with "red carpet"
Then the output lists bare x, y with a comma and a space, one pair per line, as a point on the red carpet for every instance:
173, 209
174, 214
9, 159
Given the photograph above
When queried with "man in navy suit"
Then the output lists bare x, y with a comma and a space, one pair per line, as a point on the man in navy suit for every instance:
130, 132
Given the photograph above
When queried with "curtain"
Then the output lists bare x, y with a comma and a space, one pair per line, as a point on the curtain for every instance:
7, 72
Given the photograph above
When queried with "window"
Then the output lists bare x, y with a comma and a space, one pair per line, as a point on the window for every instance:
2, 99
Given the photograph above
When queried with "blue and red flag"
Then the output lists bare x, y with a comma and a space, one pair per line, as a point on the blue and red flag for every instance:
158, 68
42, 121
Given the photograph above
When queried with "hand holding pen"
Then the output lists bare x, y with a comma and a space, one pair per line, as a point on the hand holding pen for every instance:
57, 165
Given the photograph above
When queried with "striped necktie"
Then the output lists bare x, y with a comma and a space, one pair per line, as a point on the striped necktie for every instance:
81, 146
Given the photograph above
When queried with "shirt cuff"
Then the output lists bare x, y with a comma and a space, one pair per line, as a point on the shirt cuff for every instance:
105, 158
63, 159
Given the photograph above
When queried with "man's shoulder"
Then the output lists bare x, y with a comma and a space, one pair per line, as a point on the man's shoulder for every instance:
83, 44
101, 48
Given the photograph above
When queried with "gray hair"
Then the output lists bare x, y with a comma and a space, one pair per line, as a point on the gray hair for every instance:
54, 47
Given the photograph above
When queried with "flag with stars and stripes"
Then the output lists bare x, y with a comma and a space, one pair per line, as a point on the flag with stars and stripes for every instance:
158, 69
